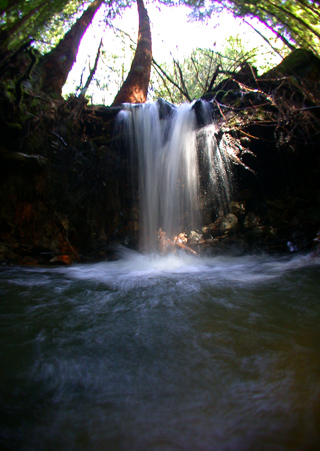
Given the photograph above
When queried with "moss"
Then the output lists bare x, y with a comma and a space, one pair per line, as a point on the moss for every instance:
219, 95
299, 63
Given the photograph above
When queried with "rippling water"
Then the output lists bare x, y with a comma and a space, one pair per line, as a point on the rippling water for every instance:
162, 353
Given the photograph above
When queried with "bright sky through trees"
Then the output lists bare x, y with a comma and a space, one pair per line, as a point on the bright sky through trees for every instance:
173, 35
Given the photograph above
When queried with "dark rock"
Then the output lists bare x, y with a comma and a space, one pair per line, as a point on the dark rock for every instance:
251, 220
229, 224
225, 225
165, 108
237, 208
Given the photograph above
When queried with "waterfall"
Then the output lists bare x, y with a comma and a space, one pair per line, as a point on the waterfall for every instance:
173, 154
216, 154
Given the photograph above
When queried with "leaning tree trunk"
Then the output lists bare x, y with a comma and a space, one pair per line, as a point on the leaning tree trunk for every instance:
57, 64
135, 87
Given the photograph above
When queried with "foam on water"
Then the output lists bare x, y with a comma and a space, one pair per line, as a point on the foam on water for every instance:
136, 269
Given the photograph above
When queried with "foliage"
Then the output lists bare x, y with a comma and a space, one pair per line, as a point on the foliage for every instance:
297, 21
43, 21
26, 20
203, 69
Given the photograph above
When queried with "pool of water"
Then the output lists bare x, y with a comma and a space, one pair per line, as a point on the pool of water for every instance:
162, 353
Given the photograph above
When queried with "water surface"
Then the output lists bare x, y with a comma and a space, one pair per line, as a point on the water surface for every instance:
162, 353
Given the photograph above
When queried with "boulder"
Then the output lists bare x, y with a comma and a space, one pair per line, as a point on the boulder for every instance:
229, 224
251, 220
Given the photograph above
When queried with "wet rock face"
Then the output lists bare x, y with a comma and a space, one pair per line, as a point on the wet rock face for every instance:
237, 208
229, 224
285, 223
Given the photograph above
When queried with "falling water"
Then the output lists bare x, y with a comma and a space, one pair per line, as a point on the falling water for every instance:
173, 154
217, 155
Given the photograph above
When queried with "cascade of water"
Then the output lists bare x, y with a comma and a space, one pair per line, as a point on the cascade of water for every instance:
216, 161
167, 152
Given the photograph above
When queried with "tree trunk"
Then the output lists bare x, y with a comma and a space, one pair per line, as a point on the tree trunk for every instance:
135, 87
57, 64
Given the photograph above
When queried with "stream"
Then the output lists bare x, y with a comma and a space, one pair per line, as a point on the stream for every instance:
156, 352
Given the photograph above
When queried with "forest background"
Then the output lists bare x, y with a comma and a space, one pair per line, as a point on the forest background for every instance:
273, 29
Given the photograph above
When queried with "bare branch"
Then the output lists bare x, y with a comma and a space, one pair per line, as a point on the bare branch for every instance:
182, 80
92, 72
75, 113
196, 68
170, 79
214, 77
164, 80
263, 37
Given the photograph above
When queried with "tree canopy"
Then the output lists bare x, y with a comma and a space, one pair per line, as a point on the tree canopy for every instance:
297, 22
44, 21
51, 25
195, 75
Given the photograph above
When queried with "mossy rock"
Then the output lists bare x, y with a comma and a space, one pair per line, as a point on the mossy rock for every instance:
300, 63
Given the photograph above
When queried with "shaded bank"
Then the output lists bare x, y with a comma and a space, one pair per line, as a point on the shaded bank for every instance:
66, 185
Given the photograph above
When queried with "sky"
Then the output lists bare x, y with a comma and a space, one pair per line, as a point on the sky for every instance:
172, 35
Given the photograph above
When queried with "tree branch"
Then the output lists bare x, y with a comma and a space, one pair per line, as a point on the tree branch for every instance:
182, 80
84, 90
164, 80
170, 79
214, 77
263, 37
